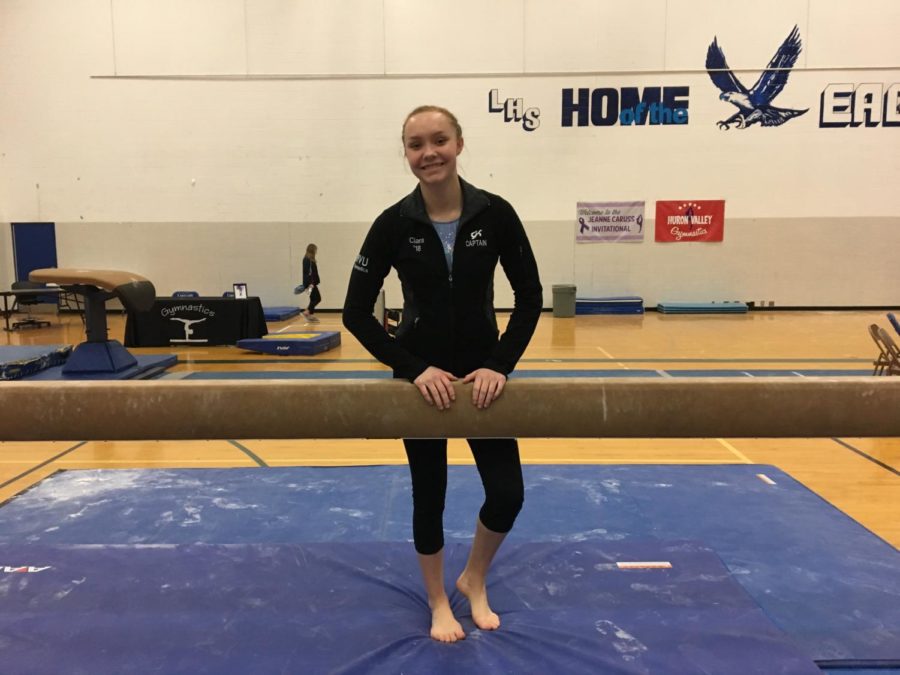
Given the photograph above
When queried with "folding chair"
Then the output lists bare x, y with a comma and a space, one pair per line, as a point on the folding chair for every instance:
883, 360
892, 352
26, 302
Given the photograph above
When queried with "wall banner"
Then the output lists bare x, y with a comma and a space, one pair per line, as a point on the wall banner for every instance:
609, 221
690, 220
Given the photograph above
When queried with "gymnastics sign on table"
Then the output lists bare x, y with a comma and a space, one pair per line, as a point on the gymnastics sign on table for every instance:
609, 221
690, 220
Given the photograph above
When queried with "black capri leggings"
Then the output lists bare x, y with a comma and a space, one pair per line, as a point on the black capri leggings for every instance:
314, 299
498, 464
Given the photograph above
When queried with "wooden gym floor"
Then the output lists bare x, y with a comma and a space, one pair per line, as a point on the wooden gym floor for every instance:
860, 476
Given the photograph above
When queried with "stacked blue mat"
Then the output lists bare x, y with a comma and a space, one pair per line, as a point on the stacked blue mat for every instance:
20, 362
626, 304
726, 307
292, 344
280, 313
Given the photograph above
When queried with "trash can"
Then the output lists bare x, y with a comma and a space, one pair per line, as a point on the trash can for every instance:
563, 300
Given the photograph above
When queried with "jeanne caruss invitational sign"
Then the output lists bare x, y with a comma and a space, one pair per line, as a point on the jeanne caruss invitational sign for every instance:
690, 220
609, 221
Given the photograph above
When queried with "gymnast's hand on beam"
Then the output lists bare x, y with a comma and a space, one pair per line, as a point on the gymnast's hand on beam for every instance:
436, 386
488, 386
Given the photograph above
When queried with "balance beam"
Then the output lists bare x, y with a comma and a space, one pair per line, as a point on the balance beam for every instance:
529, 408
136, 292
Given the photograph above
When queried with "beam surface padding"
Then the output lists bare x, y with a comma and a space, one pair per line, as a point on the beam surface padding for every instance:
537, 408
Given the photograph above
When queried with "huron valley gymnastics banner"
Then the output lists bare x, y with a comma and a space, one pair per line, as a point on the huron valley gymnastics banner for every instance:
690, 220
609, 221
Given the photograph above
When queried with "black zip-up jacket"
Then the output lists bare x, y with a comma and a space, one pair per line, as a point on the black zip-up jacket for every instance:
448, 315
310, 272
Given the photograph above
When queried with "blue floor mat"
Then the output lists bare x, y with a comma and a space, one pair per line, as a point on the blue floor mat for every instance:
770, 372
820, 576
147, 365
385, 374
360, 608
593, 372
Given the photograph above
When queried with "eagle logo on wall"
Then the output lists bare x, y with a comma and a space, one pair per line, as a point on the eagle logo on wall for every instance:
755, 105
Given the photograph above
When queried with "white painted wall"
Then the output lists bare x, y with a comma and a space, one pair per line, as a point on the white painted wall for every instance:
202, 142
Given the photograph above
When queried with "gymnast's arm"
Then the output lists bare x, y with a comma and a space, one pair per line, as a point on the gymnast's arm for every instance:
369, 271
307, 273
517, 260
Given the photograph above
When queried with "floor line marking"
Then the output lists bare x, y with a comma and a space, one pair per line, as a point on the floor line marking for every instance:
42, 464
737, 453
247, 451
859, 452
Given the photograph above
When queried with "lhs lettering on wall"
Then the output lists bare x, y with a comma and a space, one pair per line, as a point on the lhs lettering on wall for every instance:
853, 105
514, 110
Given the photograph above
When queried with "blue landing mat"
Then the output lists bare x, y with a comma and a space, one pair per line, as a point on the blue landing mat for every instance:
819, 575
291, 344
148, 365
360, 608
280, 313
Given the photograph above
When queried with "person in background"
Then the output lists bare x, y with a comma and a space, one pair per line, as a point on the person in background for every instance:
445, 240
311, 283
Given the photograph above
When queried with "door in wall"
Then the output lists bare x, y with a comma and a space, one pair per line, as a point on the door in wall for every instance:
34, 247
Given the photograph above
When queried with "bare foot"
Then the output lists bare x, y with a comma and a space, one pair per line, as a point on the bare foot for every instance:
482, 614
444, 626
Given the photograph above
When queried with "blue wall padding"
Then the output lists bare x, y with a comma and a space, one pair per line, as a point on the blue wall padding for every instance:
360, 608
819, 575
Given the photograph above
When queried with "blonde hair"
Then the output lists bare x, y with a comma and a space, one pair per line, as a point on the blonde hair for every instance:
311, 252
432, 108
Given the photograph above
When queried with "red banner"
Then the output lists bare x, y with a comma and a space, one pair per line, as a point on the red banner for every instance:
690, 220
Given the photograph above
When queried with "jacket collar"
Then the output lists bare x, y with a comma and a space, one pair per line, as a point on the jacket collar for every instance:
474, 202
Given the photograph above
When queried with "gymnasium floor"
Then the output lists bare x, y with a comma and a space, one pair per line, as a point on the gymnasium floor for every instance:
860, 476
